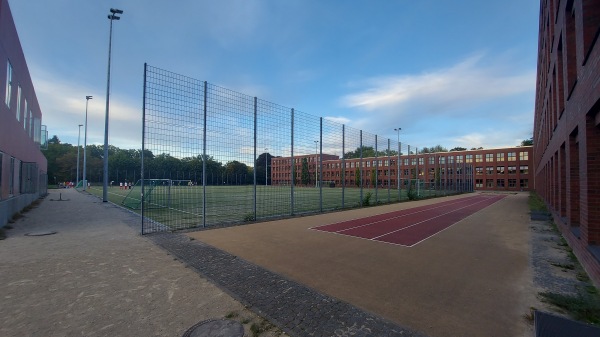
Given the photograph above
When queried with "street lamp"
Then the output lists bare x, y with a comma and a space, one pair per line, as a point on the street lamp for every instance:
78, 138
398, 163
87, 99
316, 161
111, 17
266, 167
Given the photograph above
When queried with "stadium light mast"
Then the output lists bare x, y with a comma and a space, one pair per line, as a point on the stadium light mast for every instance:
113, 16
266, 168
87, 99
78, 139
316, 162
398, 163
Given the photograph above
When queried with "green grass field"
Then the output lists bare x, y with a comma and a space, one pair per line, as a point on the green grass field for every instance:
180, 207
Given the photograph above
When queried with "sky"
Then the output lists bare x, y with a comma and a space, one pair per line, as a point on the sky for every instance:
452, 73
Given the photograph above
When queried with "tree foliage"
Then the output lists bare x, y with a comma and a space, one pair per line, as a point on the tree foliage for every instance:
458, 148
369, 151
305, 174
527, 142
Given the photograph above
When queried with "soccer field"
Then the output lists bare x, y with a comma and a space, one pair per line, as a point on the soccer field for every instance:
180, 207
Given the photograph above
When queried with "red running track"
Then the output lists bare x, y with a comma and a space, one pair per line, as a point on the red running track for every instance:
411, 226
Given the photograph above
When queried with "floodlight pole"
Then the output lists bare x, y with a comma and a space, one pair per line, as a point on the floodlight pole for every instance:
87, 99
398, 163
316, 162
266, 168
111, 17
78, 139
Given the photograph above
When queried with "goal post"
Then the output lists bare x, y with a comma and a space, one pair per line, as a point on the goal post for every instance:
157, 194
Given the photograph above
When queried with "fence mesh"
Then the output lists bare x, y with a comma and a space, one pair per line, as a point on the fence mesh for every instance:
212, 156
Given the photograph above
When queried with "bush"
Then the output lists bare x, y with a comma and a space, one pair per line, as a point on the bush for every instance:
367, 199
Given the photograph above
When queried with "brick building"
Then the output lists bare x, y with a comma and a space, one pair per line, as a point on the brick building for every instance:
23, 167
507, 169
567, 123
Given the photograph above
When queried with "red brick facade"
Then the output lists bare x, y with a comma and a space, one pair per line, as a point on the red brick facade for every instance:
567, 123
508, 169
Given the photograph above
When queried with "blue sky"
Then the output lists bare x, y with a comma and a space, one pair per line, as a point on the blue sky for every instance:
454, 73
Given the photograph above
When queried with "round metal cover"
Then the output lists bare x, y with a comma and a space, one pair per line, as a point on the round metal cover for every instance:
216, 328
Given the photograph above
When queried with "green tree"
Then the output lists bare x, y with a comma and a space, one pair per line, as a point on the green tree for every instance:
373, 177
305, 175
527, 142
357, 177
458, 148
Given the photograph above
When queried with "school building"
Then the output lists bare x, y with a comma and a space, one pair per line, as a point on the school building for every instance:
507, 169
567, 123
23, 167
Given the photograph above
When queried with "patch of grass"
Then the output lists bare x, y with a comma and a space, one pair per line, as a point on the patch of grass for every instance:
231, 314
582, 276
581, 308
563, 266
536, 203
249, 217
261, 327
367, 199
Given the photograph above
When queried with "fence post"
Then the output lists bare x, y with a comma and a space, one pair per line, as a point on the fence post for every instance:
204, 160
321, 165
389, 162
376, 171
143, 145
293, 167
360, 170
343, 164
399, 165
255, 215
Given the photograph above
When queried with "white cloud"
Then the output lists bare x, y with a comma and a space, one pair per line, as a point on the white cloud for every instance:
459, 86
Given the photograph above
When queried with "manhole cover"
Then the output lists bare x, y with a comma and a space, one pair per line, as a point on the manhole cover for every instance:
40, 233
216, 328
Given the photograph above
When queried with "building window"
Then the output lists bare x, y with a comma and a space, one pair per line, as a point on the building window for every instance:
469, 158
478, 158
9, 71
500, 169
406, 172
489, 157
414, 161
431, 160
459, 159
479, 170
500, 156
450, 159
489, 183
406, 162
524, 155
19, 103
421, 161
500, 183
524, 169
30, 129
489, 170
442, 160
512, 183
512, 156
25, 115
524, 183
512, 170
478, 182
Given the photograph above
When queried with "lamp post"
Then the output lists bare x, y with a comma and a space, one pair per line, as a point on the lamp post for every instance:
87, 99
266, 167
316, 161
111, 17
398, 163
78, 138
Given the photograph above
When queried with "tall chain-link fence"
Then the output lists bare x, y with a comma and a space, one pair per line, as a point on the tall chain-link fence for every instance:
212, 156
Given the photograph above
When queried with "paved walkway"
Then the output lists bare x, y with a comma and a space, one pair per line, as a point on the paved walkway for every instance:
97, 277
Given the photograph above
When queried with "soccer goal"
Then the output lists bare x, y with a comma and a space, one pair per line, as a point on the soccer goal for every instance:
157, 193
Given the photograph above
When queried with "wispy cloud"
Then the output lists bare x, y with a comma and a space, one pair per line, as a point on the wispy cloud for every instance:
461, 85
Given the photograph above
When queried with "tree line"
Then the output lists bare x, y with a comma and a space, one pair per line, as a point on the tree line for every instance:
124, 165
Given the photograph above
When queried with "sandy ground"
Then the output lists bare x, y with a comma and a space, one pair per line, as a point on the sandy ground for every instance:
98, 277
473, 279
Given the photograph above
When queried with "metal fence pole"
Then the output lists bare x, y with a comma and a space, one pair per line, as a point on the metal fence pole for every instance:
360, 169
343, 164
256, 215
204, 157
389, 171
320, 165
143, 145
376, 171
293, 178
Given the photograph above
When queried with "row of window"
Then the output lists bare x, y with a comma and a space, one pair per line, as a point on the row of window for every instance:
31, 125
489, 157
501, 183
